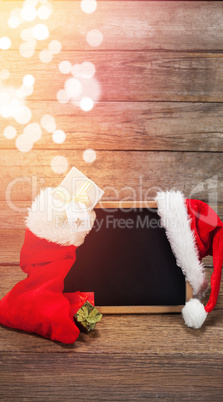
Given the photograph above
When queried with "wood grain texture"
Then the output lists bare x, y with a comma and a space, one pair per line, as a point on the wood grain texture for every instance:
121, 174
111, 377
134, 25
128, 76
168, 126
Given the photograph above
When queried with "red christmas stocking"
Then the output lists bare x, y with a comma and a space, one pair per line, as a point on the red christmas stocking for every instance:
37, 303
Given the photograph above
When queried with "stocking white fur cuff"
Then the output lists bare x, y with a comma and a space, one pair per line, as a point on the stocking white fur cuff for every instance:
47, 219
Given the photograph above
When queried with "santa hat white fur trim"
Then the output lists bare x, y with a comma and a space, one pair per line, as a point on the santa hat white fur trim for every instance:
174, 218
49, 221
194, 313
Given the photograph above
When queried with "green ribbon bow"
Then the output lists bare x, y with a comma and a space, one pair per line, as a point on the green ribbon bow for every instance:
88, 316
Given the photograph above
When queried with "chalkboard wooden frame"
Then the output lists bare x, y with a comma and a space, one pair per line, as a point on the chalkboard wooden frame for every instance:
139, 309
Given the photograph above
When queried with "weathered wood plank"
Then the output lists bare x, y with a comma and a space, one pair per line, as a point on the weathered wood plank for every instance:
122, 174
135, 25
110, 377
10, 245
169, 126
127, 76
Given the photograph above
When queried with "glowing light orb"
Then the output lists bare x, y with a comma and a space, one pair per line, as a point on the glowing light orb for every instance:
10, 132
23, 143
94, 38
59, 164
33, 132
85, 70
40, 32
45, 56
62, 96
73, 87
5, 43
4, 96
5, 111
88, 6
89, 155
24, 91
86, 104
15, 14
48, 122
15, 103
26, 34
44, 11
4, 74
28, 80
13, 22
91, 89
65, 67
76, 70
27, 49
22, 114
59, 136
55, 46
28, 12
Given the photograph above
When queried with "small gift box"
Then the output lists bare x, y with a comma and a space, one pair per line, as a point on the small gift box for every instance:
76, 188
87, 316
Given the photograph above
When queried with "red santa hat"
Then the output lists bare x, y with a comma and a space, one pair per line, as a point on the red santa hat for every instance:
194, 231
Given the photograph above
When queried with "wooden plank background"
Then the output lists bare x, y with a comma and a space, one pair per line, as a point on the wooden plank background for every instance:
158, 124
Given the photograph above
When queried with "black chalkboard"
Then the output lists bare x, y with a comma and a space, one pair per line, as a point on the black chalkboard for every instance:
128, 262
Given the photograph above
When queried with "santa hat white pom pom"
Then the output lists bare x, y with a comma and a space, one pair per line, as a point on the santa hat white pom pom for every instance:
194, 313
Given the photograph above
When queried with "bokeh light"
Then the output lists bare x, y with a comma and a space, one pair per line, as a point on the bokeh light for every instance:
62, 96
28, 80
27, 49
44, 11
65, 67
33, 132
28, 12
46, 56
94, 38
5, 43
48, 123
22, 114
26, 34
40, 31
24, 91
13, 22
5, 111
89, 155
73, 87
59, 164
23, 143
85, 70
88, 6
59, 136
86, 104
15, 18
10, 132
91, 89
55, 46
